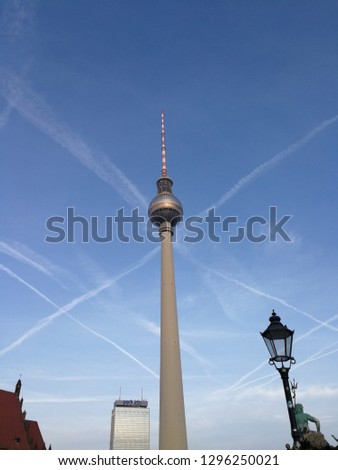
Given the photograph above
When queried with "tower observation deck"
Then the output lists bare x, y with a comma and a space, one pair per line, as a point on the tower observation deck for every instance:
165, 207
165, 211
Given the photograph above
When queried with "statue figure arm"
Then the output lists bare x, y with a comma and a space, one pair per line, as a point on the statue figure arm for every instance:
314, 420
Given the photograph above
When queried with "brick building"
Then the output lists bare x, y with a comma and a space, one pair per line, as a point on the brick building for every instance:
17, 432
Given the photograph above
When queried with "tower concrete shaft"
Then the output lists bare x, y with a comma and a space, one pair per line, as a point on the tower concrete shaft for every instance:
165, 211
173, 434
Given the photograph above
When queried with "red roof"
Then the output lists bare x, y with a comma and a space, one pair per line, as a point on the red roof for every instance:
15, 431
34, 436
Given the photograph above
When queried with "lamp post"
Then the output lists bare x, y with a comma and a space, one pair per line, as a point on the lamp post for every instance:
278, 339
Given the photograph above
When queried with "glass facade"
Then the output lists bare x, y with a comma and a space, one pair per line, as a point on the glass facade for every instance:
130, 426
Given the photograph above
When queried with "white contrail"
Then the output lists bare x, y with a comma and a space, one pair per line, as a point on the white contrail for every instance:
259, 292
308, 333
61, 311
39, 114
25, 255
19, 256
75, 302
318, 355
62, 400
187, 348
4, 115
104, 338
22, 281
259, 170
321, 324
15, 22
17, 19
240, 383
277, 299
47, 299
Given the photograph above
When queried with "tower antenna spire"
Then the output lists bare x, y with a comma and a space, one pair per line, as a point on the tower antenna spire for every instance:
165, 211
163, 149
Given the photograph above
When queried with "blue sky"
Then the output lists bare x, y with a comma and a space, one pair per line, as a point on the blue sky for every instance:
249, 91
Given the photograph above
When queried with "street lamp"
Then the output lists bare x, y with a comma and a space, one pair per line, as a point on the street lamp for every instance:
278, 339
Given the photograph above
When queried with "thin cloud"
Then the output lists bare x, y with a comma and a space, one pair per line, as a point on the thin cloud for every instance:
314, 357
308, 333
16, 24
92, 331
149, 326
56, 400
205, 334
321, 353
27, 284
75, 302
260, 293
61, 311
187, 348
17, 18
242, 384
32, 108
241, 381
107, 340
317, 355
20, 255
320, 391
4, 116
69, 378
259, 170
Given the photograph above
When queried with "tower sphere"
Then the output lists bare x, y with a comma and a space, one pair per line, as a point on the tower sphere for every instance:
165, 207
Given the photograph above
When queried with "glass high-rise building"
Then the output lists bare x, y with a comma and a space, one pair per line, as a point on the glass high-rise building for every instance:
130, 425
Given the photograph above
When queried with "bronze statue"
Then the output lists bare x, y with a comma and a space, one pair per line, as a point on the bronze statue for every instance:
304, 418
309, 439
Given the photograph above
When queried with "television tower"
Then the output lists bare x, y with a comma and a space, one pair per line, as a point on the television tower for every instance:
165, 211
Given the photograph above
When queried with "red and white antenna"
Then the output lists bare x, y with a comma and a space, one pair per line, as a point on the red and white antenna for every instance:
164, 158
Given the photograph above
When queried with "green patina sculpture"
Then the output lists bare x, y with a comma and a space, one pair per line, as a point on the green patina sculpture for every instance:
304, 418
309, 440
